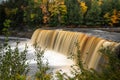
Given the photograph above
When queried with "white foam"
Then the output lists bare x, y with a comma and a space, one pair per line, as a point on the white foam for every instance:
57, 61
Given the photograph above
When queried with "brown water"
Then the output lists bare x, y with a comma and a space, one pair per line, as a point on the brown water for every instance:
64, 42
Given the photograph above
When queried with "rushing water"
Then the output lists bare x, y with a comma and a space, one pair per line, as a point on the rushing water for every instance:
56, 60
59, 45
64, 42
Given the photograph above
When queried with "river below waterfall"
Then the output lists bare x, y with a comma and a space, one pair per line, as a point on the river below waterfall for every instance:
56, 61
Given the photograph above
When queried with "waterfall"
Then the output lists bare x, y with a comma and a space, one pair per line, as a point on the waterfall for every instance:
64, 42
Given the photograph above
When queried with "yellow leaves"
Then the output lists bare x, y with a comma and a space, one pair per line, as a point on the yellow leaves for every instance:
107, 15
57, 8
100, 2
47, 76
83, 7
20, 77
36, 1
114, 18
82, 3
53, 9
43, 76
44, 1
63, 9
62, 3
32, 15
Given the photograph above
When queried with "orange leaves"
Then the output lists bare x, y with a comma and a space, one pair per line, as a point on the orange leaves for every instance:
45, 19
36, 1
113, 18
43, 6
44, 9
90, 12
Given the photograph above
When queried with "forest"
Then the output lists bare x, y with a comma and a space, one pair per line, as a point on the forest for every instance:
97, 58
79, 13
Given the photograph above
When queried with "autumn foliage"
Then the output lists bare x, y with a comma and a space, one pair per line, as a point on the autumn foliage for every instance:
61, 12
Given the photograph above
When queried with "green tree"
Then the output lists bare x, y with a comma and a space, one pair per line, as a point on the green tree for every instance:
58, 12
93, 14
108, 11
73, 12
13, 63
33, 14
13, 10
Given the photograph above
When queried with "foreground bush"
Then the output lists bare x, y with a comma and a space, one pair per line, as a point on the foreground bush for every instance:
42, 73
13, 66
13, 63
109, 71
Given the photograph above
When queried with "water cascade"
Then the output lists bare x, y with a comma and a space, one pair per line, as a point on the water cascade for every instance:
64, 42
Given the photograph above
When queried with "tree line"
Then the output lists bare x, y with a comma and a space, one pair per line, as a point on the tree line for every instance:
33, 13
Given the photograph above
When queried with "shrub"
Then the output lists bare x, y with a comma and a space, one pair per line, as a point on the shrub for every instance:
13, 10
42, 73
58, 12
13, 63
33, 15
73, 12
110, 69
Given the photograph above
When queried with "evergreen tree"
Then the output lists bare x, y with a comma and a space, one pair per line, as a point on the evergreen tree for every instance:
73, 11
